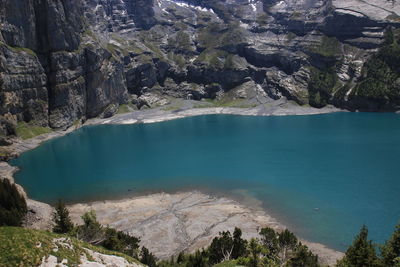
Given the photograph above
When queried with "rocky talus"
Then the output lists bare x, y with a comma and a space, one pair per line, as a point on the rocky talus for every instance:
64, 61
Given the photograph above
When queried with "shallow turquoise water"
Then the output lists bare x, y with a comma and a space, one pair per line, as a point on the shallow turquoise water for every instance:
345, 164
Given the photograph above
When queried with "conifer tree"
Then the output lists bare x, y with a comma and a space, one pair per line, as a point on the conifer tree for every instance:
147, 258
391, 250
287, 241
361, 253
12, 205
239, 244
63, 223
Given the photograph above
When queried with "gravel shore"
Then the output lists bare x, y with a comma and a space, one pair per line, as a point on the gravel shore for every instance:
170, 223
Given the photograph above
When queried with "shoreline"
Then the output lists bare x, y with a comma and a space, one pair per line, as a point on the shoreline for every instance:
39, 214
159, 114
169, 223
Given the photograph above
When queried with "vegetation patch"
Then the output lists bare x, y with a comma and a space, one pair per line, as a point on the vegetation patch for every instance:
27, 247
322, 83
329, 47
216, 35
12, 205
28, 130
178, 59
380, 78
124, 108
22, 49
181, 41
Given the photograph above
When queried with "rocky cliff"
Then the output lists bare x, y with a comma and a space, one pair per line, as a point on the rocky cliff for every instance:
63, 61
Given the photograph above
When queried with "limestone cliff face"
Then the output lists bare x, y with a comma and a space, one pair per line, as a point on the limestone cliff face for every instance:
49, 74
68, 60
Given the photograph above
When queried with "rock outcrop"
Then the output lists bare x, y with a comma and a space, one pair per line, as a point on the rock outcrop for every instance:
63, 61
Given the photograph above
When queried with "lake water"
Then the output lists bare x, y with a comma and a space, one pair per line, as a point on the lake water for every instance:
321, 175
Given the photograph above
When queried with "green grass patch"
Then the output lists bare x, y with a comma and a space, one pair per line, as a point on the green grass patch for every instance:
19, 49
27, 247
178, 59
28, 130
124, 108
23, 49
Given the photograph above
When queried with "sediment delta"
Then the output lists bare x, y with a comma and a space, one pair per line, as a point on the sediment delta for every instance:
170, 223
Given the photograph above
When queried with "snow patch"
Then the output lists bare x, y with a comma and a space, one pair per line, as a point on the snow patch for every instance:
186, 5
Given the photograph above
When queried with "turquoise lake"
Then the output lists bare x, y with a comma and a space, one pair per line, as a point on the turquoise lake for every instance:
321, 175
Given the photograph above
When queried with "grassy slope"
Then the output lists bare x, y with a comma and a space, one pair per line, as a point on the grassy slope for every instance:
26, 130
26, 247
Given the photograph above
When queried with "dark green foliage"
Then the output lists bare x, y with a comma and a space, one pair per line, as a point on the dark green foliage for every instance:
199, 259
320, 86
148, 258
303, 257
272, 249
226, 246
269, 239
287, 241
221, 248
12, 205
239, 244
122, 242
254, 251
323, 77
91, 231
361, 253
181, 257
381, 73
63, 223
391, 250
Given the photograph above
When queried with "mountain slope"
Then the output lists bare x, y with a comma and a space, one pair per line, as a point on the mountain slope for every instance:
27, 247
65, 61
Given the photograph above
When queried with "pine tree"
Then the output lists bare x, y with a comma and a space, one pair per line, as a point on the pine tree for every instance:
391, 250
197, 260
239, 244
61, 219
287, 241
269, 239
91, 231
303, 257
255, 250
221, 248
361, 253
147, 258
12, 205
181, 257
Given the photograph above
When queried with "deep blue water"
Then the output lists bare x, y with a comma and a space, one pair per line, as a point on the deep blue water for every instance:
347, 165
